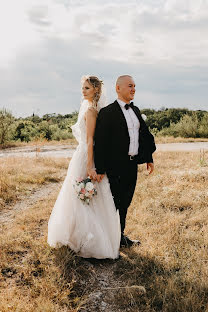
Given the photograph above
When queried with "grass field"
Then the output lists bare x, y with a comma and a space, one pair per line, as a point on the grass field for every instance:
167, 273
21, 175
37, 143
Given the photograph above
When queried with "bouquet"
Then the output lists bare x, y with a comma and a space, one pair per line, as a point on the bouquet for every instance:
85, 189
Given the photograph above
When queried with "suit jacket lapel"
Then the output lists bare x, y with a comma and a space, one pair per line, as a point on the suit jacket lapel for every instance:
121, 117
137, 113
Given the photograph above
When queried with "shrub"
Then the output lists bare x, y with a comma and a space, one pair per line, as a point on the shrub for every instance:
203, 127
187, 127
6, 120
26, 131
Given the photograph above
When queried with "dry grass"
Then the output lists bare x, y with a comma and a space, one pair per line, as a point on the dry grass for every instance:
38, 143
167, 273
22, 175
33, 277
169, 214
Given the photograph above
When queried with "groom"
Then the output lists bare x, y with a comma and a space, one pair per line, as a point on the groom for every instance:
122, 141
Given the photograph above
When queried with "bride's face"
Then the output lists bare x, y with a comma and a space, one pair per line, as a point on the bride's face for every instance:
88, 91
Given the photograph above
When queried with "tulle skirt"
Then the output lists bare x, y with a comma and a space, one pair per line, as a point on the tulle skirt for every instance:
90, 230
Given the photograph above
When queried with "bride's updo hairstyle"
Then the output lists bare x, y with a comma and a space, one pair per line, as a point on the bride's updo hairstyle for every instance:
97, 84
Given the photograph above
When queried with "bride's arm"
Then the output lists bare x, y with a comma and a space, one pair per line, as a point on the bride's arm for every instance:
91, 116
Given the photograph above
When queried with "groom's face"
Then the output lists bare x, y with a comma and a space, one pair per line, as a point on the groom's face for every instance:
126, 89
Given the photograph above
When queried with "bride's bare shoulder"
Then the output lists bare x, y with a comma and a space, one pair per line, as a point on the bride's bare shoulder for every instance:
92, 109
91, 112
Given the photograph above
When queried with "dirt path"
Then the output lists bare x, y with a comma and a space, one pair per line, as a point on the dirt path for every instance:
101, 289
68, 150
8, 215
98, 285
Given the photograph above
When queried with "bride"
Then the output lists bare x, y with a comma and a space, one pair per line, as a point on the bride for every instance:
90, 230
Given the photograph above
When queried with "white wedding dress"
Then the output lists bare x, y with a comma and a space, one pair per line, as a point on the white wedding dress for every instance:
90, 230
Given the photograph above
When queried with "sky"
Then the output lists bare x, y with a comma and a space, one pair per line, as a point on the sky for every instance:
48, 45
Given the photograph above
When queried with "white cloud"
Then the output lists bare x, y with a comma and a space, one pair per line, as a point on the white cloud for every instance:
136, 32
47, 45
16, 32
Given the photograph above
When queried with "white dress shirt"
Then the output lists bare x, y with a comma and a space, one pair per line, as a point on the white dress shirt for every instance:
133, 125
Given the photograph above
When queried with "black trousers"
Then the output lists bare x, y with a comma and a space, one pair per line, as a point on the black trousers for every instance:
122, 187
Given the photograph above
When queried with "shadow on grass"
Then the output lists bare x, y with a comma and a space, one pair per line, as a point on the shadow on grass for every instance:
167, 289
131, 283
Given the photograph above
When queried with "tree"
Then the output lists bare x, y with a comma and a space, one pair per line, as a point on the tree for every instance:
6, 120
26, 131
45, 129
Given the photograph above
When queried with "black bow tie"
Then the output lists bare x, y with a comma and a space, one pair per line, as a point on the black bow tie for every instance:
129, 105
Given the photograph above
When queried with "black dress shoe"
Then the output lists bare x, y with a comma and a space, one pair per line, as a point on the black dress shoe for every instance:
127, 242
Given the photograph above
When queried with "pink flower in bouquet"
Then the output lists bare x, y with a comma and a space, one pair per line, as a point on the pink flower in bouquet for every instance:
83, 191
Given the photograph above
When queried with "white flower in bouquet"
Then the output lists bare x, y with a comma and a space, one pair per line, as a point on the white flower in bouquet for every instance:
76, 186
80, 186
89, 186
144, 116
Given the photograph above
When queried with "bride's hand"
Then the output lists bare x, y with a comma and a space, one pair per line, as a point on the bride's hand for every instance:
92, 173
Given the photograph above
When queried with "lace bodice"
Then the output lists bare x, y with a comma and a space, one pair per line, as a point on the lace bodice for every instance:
79, 128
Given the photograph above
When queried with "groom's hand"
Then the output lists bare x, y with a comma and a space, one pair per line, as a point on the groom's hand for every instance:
150, 167
100, 177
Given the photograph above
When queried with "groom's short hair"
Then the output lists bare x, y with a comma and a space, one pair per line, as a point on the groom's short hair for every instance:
120, 78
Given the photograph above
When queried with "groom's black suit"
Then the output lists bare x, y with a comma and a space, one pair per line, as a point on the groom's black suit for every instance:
111, 154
